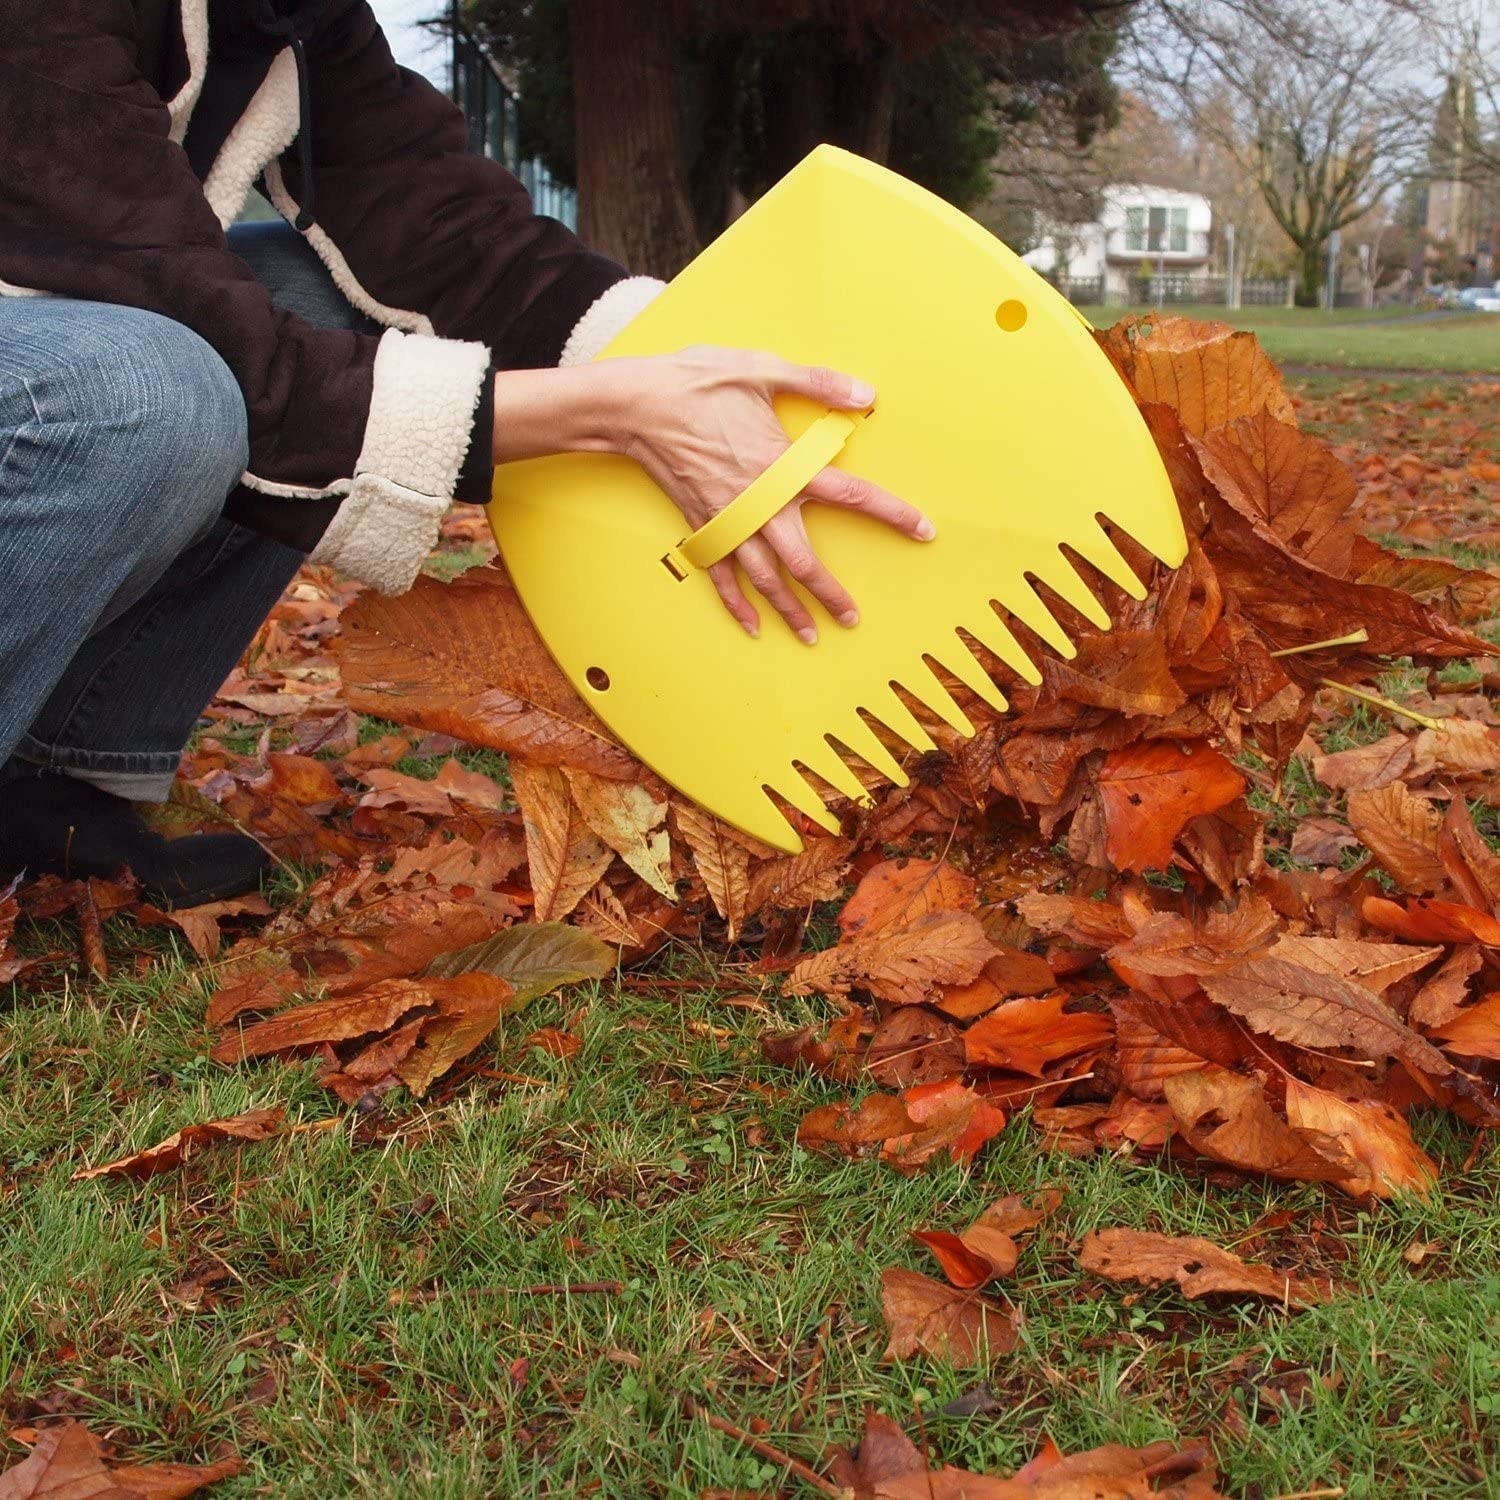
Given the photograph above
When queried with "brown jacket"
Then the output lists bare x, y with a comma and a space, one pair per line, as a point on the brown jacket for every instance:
101, 201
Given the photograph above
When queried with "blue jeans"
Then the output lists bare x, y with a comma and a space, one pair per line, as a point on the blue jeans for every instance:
125, 595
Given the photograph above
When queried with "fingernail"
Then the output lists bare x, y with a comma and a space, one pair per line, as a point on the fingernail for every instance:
753, 631
862, 393
849, 617
925, 531
808, 636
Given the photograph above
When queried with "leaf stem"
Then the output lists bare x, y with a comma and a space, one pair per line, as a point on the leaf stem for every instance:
1376, 701
807, 1475
1354, 638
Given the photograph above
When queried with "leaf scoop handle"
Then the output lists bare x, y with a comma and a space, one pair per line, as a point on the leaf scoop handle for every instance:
765, 495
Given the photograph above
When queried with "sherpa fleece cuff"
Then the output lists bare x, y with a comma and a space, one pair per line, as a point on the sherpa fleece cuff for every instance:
422, 410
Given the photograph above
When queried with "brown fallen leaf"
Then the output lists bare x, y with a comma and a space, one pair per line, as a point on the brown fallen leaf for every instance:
952, 1119
564, 856
413, 659
1200, 1267
1401, 831
851, 1127
345, 1017
1153, 790
182, 1145
901, 964
1317, 1008
987, 1248
799, 881
723, 862
1429, 921
1473, 1031
1010, 973
200, 924
1025, 1036
1444, 995
1389, 1162
889, 1466
68, 1462
1365, 767
959, 1328
897, 892
1226, 1118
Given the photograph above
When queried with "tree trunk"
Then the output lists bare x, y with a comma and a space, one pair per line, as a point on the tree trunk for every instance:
817, 88
1309, 273
633, 199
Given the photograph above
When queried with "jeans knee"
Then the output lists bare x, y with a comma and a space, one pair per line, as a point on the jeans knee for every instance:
185, 416
163, 407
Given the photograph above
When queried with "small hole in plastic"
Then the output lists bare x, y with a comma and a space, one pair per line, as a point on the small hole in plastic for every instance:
1011, 315
598, 679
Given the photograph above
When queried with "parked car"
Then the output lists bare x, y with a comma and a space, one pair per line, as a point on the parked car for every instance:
1478, 298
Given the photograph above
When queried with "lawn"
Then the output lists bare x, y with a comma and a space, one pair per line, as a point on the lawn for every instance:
1389, 339
349, 1308
513, 1287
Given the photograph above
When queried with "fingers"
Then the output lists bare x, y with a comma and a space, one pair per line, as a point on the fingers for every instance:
835, 487
788, 539
763, 568
733, 595
827, 387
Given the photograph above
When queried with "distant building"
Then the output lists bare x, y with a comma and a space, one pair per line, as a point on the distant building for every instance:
1140, 231
1462, 207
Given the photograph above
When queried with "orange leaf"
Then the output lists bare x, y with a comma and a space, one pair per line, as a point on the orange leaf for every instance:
1153, 790
254, 1125
1200, 1267
1027, 1035
902, 964
962, 1329
1427, 921
1401, 831
1389, 1162
69, 1463
1473, 1031
898, 891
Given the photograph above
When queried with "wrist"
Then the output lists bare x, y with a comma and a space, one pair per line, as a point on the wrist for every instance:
576, 409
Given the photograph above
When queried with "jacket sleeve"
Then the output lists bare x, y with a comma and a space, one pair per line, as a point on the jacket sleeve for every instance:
409, 217
101, 203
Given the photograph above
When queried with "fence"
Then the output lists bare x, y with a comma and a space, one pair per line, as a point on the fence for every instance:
1165, 291
494, 116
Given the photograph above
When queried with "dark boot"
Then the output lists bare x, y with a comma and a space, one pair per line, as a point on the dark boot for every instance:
63, 826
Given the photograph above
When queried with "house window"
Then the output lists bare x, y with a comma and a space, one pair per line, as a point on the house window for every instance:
1157, 229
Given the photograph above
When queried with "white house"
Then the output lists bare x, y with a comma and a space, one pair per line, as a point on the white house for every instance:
1138, 225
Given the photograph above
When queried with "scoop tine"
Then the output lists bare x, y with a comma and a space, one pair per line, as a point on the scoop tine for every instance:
794, 789
825, 761
992, 633
1062, 578
958, 660
896, 716
859, 739
1092, 543
929, 692
1023, 603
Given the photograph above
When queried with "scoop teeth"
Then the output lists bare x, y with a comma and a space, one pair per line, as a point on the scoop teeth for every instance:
1062, 578
994, 635
898, 718
792, 788
859, 739
1092, 543
1022, 602
824, 760
959, 661
932, 695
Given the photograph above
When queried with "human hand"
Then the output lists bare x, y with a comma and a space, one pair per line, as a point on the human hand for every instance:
701, 423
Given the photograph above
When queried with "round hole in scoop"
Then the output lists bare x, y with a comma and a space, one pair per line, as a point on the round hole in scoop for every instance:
598, 679
1011, 315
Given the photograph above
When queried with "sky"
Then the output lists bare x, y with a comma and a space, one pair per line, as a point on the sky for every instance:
414, 48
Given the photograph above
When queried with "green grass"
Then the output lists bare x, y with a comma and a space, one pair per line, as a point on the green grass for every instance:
662, 1156
1390, 339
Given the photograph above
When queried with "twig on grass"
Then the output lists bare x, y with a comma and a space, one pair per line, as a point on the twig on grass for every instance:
1376, 701
421, 1295
809, 1476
